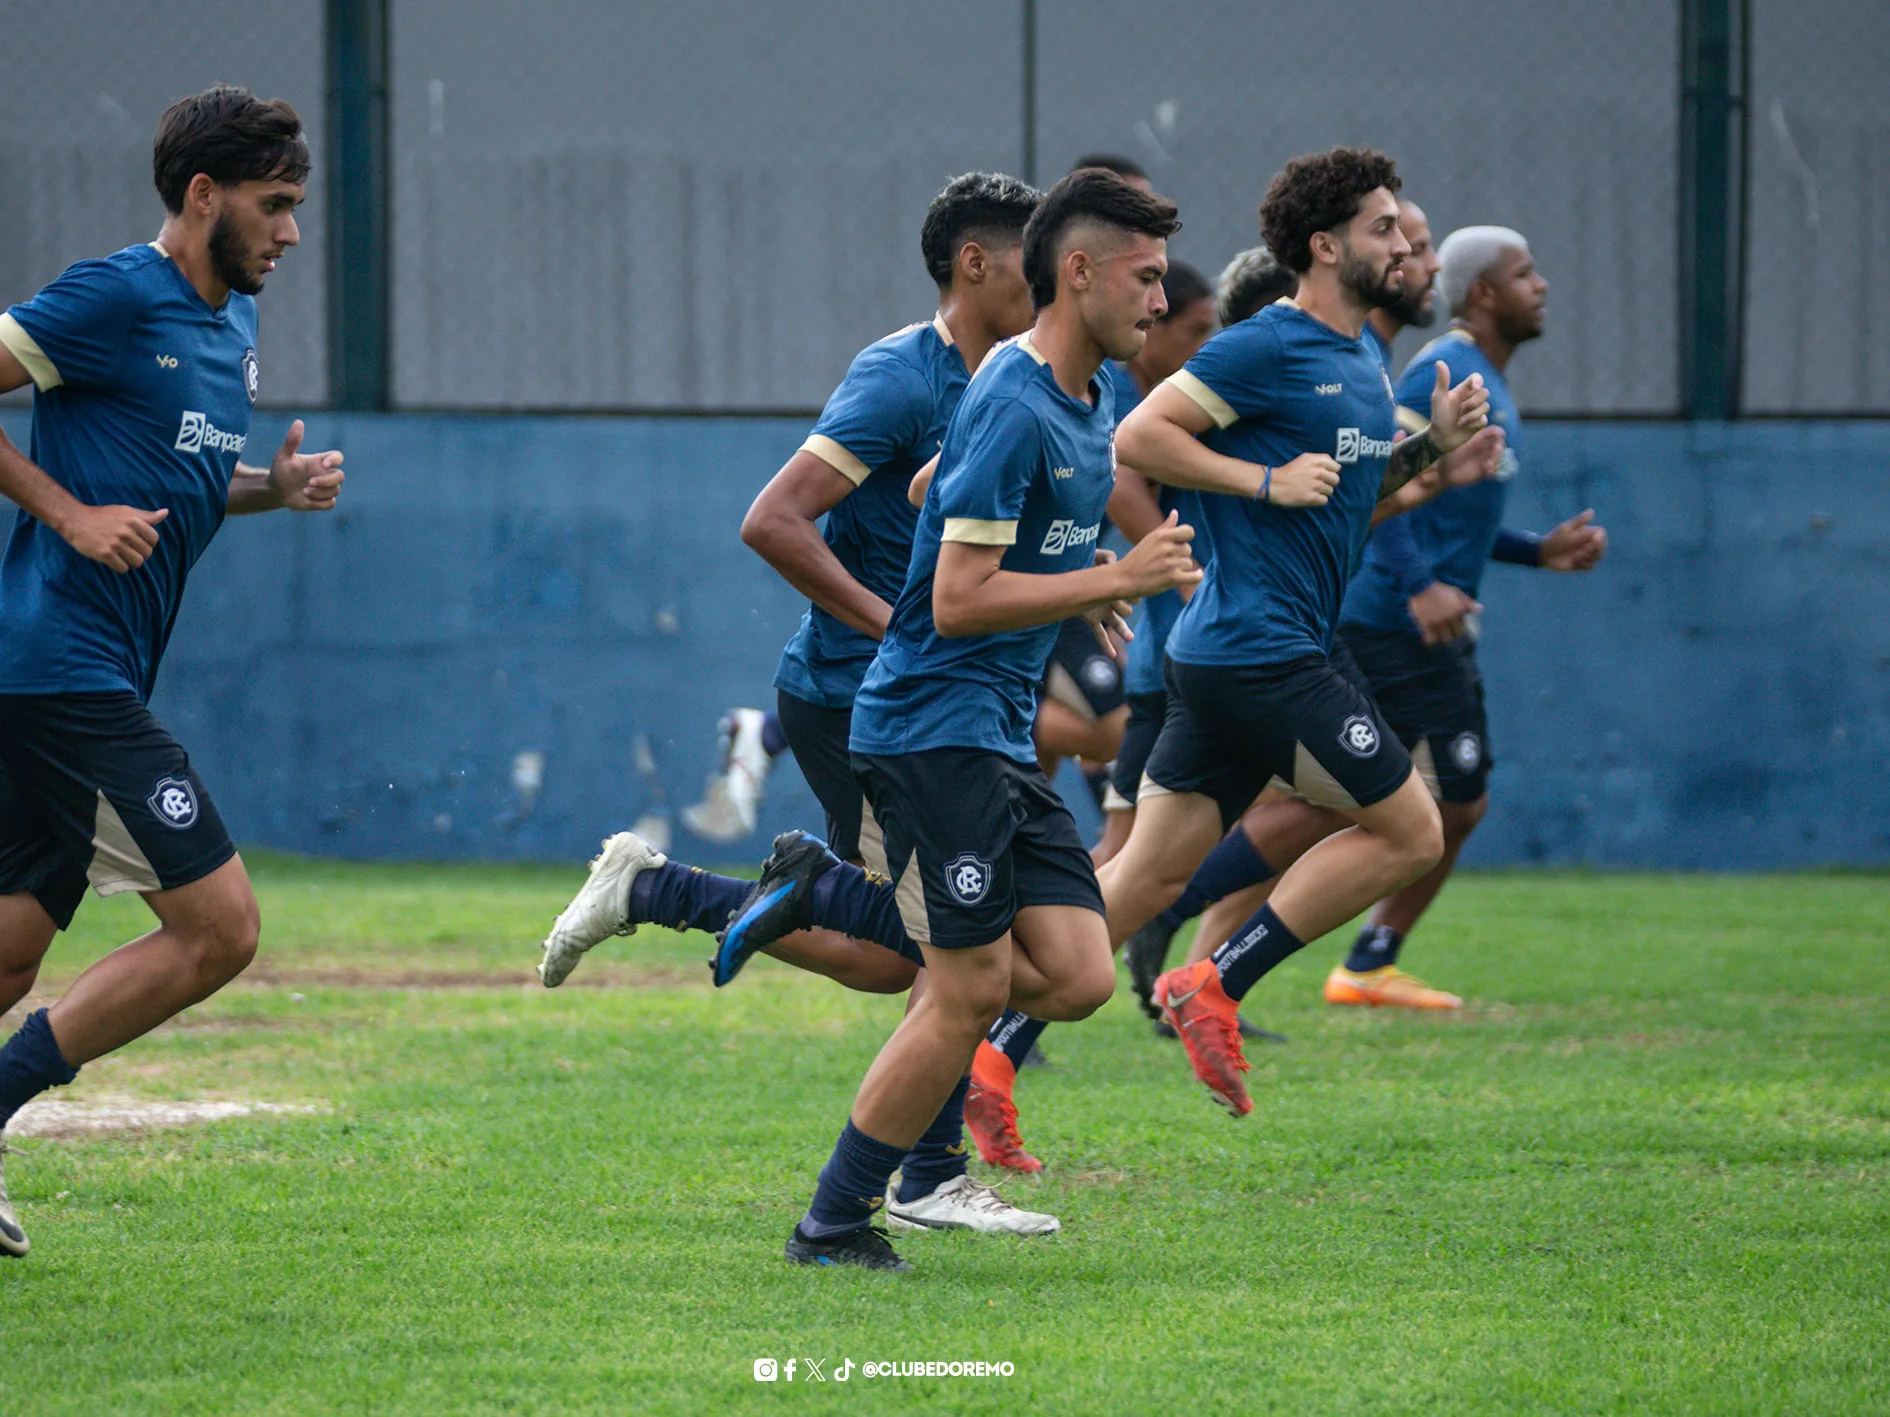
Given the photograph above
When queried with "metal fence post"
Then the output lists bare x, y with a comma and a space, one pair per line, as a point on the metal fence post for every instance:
1712, 204
356, 42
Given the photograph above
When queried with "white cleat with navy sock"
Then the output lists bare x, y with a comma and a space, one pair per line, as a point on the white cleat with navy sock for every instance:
963, 1203
601, 909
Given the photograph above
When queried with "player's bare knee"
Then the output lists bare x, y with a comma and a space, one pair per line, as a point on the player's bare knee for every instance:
1423, 847
1461, 818
225, 941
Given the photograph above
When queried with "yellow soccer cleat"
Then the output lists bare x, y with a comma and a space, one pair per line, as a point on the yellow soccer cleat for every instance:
1389, 987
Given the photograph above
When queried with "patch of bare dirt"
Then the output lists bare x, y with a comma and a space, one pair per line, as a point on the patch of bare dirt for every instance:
61, 1119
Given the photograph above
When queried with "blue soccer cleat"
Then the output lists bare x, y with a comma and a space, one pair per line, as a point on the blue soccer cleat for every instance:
781, 902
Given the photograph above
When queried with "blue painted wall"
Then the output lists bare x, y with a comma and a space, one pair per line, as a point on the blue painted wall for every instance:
361, 684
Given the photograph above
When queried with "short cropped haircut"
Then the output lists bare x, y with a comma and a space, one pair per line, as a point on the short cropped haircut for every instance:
230, 136
1183, 286
1090, 194
1468, 254
1110, 162
1317, 193
986, 207
1252, 281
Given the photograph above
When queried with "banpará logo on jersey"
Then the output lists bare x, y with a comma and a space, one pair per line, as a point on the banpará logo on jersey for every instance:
968, 878
1065, 534
1359, 737
197, 433
1466, 751
1353, 445
252, 374
173, 802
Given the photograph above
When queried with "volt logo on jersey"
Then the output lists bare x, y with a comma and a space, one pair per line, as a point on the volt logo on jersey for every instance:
173, 802
1064, 534
196, 433
968, 878
1353, 445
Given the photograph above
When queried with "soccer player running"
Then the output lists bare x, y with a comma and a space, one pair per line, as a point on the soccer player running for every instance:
991, 876
144, 373
1411, 618
1294, 395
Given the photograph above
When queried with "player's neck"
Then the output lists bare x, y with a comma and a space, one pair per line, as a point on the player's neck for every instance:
1065, 342
1385, 323
1330, 303
971, 336
192, 256
1495, 348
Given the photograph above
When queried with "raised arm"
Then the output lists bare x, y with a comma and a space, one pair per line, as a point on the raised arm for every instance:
1456, 415
782, 528
297, 481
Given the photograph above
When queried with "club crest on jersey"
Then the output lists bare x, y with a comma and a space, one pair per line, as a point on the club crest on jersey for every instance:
1466, 751
1066, 535
968, 878
1359, 737
173, 802
252, 374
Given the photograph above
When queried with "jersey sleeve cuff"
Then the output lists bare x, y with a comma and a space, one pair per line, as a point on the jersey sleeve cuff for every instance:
1412, 421
42, 371
1212, 404
837, 458
974, 532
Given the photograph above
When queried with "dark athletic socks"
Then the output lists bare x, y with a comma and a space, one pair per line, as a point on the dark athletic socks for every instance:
683, 897
852, 1185
1014, 1034
1255, 948
1231, 866
939, 1155
1375, 947
29, 1064
848, 900
773, 739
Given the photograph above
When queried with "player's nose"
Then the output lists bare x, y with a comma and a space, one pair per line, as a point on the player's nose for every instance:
288, 233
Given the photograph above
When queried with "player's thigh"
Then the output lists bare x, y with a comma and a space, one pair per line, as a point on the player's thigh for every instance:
1172, 835
1407, 818
1335, 745
1060, 918
1067, 946
817, 736
1214, 742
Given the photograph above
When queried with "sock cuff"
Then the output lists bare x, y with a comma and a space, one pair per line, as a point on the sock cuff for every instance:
46, 1059
867, 1151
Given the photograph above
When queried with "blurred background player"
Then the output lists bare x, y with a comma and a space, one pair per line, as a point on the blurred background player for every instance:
1411, 617
144, 373
1251, 281
747, 741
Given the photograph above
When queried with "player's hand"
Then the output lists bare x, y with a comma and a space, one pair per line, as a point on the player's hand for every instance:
1309, 480
1440, 610
120, 537
306, 482
1457, 413
1110, 622
1575, 545
1159, 561
1479, 458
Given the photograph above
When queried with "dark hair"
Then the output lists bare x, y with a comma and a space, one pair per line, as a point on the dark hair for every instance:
1183, 285
1091, 194
230, 136
1252, 281
1317, 193
986, 207
1110, 162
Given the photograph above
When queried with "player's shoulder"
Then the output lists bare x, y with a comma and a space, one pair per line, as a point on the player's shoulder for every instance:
905, 357
129, 274
1458, 353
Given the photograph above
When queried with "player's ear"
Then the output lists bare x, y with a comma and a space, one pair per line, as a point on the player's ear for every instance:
200, 195
974, 262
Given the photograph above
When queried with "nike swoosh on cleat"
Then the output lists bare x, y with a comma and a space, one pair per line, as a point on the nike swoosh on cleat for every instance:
1175, 1001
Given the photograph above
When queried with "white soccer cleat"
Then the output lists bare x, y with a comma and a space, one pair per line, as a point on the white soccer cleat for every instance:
732, 796
966, 1204
599, 910
13, 1239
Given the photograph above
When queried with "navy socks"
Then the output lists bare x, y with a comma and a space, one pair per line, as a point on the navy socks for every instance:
852, 1185
1375, 947
1231, 866
773, 738
683, 897
29, 1064
1254, 949
1013, 1035
939, 1155
850, 901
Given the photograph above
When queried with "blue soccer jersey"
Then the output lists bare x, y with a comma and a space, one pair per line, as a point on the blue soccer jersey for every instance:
1452, 535
883, 424
142, 398
1156, 616
1025, 467
1279, 385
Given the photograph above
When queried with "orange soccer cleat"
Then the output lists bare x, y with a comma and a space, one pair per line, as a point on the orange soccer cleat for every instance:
992, 1116
1194, 1004
1386, 987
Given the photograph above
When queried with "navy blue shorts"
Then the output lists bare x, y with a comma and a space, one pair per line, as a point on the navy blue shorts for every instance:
1432, 696
94, 790
818, 736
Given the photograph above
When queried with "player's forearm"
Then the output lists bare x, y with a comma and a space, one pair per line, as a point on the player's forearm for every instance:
1518, 548
798, 552
252, 491
1015, 600
1410, 458
28, 487
1167, 453
1132, 506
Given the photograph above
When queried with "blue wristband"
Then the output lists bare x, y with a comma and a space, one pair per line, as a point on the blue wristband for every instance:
1266, 485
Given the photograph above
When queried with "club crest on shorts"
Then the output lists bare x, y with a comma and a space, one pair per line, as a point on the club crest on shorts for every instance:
252, 374
1101, 672
1359, 737
1466, 751
173, 802
968, 878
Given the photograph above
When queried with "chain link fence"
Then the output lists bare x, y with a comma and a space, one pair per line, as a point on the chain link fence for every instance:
86, 82
600, 206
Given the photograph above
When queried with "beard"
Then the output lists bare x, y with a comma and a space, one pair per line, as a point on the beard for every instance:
1412, 311
230, 257
1376, 289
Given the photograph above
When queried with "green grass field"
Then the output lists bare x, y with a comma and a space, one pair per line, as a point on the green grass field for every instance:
1646, 1171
